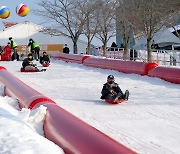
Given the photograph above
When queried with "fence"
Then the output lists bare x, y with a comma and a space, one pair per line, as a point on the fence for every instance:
162, 57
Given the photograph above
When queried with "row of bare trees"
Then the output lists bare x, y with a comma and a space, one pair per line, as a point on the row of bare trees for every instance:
99, 18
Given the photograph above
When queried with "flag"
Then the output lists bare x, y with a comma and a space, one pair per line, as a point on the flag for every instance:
9, 24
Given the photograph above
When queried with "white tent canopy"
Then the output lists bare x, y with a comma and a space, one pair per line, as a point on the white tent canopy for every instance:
162, 38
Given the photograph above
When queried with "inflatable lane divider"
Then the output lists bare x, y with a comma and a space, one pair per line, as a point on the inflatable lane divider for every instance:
2, 68
140, 68
76, 136
166, 73
61, 127
68, 57
15, 88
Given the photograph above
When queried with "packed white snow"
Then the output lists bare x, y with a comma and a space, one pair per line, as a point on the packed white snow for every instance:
149, 122
21, 132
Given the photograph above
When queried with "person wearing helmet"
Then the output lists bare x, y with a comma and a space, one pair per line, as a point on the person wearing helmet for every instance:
111, 90
34, 48
15, 55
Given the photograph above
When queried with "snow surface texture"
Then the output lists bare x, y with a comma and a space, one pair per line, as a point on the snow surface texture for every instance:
148, 123
19, 130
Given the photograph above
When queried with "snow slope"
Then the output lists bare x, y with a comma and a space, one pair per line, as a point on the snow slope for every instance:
148, 123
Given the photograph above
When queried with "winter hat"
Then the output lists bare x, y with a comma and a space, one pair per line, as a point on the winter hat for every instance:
110, 77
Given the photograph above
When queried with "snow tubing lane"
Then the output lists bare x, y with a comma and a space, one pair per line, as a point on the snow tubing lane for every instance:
76, 136
15, 88
61, 127
166, 73
140, 68
69, 57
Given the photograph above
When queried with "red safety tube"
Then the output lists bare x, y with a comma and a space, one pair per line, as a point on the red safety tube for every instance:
15, 88
166, 73
61, 127
68, 57
76, 136
141, 68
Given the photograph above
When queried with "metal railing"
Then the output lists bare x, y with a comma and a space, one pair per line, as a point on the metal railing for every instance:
162, 57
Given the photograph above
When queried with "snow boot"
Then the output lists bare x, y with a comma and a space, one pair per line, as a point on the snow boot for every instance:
126, 95
43, 70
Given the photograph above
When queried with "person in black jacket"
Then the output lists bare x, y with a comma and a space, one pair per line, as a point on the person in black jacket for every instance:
111, 90
44, 59
66, 49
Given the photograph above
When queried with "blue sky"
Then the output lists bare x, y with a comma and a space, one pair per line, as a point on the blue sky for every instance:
11, 4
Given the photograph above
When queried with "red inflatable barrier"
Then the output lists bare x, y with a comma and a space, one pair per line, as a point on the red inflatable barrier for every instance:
141, 68
166, 73
15, 88
2, 68
76, 136
70, 57
61, 127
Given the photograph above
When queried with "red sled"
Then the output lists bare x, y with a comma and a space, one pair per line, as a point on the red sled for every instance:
112, 101
23, 70
45, 65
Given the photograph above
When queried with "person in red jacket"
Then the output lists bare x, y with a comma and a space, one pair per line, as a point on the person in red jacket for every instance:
7, 51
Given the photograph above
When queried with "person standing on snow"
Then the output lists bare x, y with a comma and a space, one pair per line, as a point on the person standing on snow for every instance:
66, 49
111, 90
15, 55
7, 51
35, 49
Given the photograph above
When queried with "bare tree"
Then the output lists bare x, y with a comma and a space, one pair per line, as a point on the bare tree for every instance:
90, 28
125, 27
67, 17
173, 20
147, 17
104, 16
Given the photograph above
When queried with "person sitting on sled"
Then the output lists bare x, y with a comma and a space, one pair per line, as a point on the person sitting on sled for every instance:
28, 63
44, 59
111, 90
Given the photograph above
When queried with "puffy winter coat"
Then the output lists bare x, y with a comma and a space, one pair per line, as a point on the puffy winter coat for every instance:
106, 89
